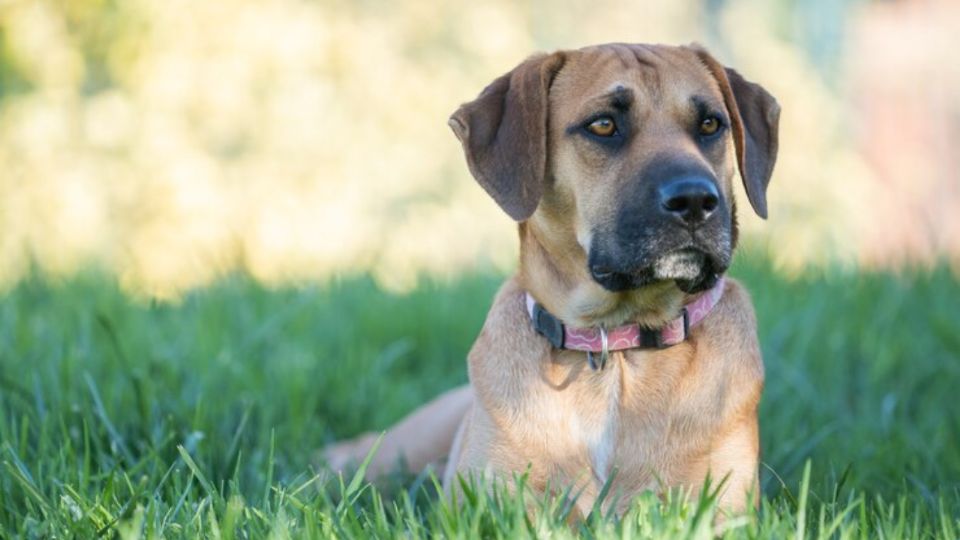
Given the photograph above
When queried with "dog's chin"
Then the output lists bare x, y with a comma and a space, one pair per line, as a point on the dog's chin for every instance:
684, 265
692, 270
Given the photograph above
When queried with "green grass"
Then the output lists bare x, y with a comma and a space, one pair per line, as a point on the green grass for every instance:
126, 418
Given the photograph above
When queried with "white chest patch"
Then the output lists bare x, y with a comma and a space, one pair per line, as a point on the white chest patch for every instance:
601, 450
601, 436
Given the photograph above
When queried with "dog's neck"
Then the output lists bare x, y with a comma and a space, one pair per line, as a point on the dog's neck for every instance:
557, 277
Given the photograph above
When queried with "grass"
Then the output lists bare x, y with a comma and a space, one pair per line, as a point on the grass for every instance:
124, 418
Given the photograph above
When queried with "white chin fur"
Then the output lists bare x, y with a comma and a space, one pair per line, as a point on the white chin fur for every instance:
678, 265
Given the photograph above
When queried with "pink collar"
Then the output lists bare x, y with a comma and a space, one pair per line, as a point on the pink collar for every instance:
629, 336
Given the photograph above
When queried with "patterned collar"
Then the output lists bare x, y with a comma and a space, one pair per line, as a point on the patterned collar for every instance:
629, 336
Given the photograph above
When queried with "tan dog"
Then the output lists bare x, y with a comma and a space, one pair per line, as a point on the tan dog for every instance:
618, 162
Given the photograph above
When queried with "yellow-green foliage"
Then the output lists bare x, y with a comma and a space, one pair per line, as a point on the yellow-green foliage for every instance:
171, 140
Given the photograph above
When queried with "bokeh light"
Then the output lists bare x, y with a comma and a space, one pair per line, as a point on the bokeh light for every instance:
170, 141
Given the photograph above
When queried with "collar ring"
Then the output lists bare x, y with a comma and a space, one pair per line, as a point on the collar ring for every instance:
604, 351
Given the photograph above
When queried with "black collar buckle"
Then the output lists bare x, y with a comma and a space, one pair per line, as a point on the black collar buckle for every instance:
653, 339
548, 326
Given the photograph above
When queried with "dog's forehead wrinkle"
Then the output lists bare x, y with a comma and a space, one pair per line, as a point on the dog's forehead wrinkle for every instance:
593, 64
624, 54
634, 68
649, 72
642, 55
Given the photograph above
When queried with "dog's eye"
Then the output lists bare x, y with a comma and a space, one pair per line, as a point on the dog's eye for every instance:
603, 127
709, 126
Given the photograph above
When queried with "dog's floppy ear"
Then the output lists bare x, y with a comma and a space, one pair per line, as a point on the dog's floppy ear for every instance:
504, 134
755, 116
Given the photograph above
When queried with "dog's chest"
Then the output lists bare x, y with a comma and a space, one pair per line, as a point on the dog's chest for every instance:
594, 419
623, 417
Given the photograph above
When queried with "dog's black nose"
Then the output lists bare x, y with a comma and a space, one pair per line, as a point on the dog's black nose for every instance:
690, 198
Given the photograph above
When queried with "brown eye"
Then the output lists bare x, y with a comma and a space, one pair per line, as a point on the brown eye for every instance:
709, 126
603, 127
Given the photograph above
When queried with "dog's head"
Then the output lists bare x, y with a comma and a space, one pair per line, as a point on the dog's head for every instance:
631, 149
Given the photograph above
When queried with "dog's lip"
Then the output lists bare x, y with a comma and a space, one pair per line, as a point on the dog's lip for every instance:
690, 251
601, 272
687, 250
617, 280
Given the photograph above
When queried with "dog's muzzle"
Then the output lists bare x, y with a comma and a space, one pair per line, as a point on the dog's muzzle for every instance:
671, 227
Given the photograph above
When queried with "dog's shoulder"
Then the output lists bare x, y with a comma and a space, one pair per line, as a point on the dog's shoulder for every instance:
736, 304
508, 318
507, 348
731, 332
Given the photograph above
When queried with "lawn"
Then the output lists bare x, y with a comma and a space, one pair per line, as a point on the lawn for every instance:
123, 417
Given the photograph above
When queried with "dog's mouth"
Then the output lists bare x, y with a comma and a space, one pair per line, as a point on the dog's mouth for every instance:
683, 264
692, 269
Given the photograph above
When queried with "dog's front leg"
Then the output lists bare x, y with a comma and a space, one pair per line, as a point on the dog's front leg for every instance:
734, 456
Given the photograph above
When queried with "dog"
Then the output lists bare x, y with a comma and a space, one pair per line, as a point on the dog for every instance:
618, 353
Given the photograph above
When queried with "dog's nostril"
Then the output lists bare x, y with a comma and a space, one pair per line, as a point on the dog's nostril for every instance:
710, 203
676, 204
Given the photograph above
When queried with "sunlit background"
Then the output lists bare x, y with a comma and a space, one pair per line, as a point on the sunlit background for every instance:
173, 141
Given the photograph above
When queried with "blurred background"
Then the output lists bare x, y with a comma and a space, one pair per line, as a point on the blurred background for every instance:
170, 142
